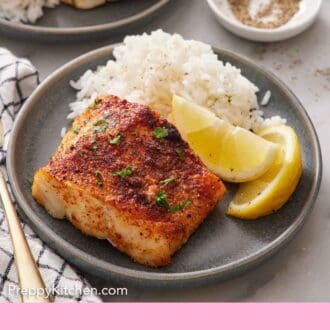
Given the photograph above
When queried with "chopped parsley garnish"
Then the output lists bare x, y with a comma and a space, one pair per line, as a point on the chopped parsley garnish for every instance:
101, 125
116, 140
180, 206
160, 132
97, 101
123, 173
80, 152
99, 179
186, 203
175, 208
100, 122
180, 153
76, 131
162, 200
94, 147
167, 181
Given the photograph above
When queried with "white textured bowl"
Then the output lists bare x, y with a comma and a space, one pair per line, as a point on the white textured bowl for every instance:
303, 19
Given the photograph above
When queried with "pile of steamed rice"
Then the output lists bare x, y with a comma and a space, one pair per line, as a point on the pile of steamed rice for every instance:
25, 11
149, 69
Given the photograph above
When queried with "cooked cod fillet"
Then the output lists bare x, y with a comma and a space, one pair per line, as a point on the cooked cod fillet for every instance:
124, 174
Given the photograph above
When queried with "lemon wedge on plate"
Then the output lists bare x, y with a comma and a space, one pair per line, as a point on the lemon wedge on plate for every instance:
272, 190
233, 153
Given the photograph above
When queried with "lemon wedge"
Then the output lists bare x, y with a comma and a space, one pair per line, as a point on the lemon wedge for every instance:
272, 190
233, 153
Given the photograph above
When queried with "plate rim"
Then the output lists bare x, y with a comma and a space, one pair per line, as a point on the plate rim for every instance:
51, 31
69, 251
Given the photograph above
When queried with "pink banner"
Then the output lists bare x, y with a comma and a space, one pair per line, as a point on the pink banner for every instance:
158, 316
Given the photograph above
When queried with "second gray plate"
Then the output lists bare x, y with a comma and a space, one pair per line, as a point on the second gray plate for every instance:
220, 248
64, 23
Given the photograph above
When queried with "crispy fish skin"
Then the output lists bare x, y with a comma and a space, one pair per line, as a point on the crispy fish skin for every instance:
81, 181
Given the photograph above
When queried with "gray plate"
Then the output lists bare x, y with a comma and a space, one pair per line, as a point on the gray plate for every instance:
220, 248
64, 23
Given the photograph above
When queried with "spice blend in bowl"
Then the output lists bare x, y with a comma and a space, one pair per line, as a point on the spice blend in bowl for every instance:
266, 20
265, 14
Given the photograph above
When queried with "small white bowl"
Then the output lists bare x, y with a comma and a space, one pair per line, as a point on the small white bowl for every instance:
303, 19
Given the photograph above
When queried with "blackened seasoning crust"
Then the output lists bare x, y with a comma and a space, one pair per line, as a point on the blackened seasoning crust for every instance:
118, 184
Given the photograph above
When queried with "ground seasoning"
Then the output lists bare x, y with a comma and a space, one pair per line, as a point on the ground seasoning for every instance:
266, 14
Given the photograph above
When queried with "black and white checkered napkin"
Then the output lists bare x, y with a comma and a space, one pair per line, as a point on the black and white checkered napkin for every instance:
18, 78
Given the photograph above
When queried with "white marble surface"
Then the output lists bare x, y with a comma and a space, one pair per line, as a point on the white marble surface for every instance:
301, 271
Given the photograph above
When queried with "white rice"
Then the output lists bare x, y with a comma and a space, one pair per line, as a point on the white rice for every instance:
265, 100
63, 131
149, 69
24, 11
